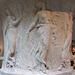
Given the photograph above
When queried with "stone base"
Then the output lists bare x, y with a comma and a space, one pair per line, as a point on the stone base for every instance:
66, 72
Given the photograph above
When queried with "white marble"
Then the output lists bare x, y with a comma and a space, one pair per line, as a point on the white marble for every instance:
36, 39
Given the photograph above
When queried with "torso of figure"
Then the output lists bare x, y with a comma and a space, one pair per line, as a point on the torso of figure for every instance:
44, 20
11, 29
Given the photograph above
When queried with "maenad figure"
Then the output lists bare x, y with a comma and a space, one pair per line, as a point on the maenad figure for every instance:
10, 32
66, 49
42, 24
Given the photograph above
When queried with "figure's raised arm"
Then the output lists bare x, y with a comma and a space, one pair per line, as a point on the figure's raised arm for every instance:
16, 23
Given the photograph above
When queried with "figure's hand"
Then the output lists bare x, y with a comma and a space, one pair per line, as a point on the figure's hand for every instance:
28, 34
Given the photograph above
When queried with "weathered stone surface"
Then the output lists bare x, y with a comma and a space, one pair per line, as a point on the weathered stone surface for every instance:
35, 73
43, 36
66, 72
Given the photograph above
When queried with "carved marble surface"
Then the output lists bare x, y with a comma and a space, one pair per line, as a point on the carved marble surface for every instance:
48, 25
41, 40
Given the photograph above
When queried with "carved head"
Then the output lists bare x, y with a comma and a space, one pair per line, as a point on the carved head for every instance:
8, 13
